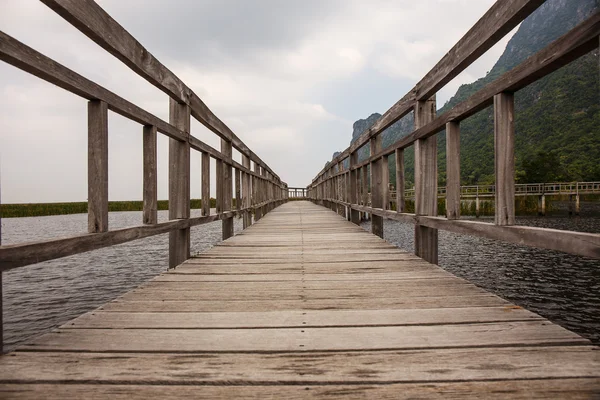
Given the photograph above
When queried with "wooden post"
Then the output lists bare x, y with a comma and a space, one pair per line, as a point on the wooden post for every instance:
97, 166
256, 193
504, 146
238, 189
353, 188
376, 187
399, 180
205, 184
426, 239
365, 187
227, 188
179, 184
246, 192
150, 176
453, 170
219, 185
385, 182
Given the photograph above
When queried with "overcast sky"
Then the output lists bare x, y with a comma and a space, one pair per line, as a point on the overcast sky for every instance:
288, 77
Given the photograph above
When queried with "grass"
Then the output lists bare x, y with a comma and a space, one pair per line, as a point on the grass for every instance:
42, 209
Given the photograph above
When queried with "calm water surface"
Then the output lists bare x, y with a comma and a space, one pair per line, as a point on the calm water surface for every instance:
40, 297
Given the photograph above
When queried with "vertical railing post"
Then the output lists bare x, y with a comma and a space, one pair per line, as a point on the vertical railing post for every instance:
426, 239
364, 183
150, 176
97, 166
504, 152
376, 186
385, 182
399, 180
256, 193
246, 192
238, 189
205, 184
353, 188
227, 188
179, 184
453, 170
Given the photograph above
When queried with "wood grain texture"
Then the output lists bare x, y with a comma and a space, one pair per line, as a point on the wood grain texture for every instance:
226, 189
504, 157
246, 191
453, 170
575, 388
205, 184
97, 166
400, 180
376, 186
426, 176
150, 213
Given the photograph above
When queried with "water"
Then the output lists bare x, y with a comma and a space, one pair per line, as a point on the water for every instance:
40, 297
561, 287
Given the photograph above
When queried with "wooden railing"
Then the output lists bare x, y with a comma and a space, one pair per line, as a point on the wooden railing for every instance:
521, 189
258, 189
346, 190
296, 192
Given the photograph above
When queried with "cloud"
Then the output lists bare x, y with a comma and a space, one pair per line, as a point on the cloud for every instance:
288, 77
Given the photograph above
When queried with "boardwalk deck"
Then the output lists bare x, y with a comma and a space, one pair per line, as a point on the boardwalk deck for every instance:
305, 304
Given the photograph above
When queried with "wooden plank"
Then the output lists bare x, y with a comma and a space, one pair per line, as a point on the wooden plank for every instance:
426, 238
376, 186
576, 389
179, 184
399, 180
247, 218
97, 166
415, 302
504, 152
385, 183
353, 188
532, 333
200, 276
453, 170
374, 367
226, 189
205, 184
312, 318
150, 214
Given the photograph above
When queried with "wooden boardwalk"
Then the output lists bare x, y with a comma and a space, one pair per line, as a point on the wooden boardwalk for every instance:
305, 304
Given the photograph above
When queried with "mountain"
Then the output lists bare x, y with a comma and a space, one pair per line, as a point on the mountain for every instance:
557, 123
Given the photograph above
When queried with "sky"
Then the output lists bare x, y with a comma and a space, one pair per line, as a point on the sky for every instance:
288, 77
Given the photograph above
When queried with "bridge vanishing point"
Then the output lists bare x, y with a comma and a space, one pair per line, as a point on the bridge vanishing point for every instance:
303, 303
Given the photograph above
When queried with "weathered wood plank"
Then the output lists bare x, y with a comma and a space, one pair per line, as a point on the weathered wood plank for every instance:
150, 215
576, 389
205, 184
376, 186
426, 238
97, 166
414, 302
453, 170
226, 189
400, 180
382, 367
504, 156
179, 184
530, 333
312, 318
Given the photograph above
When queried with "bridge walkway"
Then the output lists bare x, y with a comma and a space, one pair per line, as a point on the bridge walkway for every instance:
304, 304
